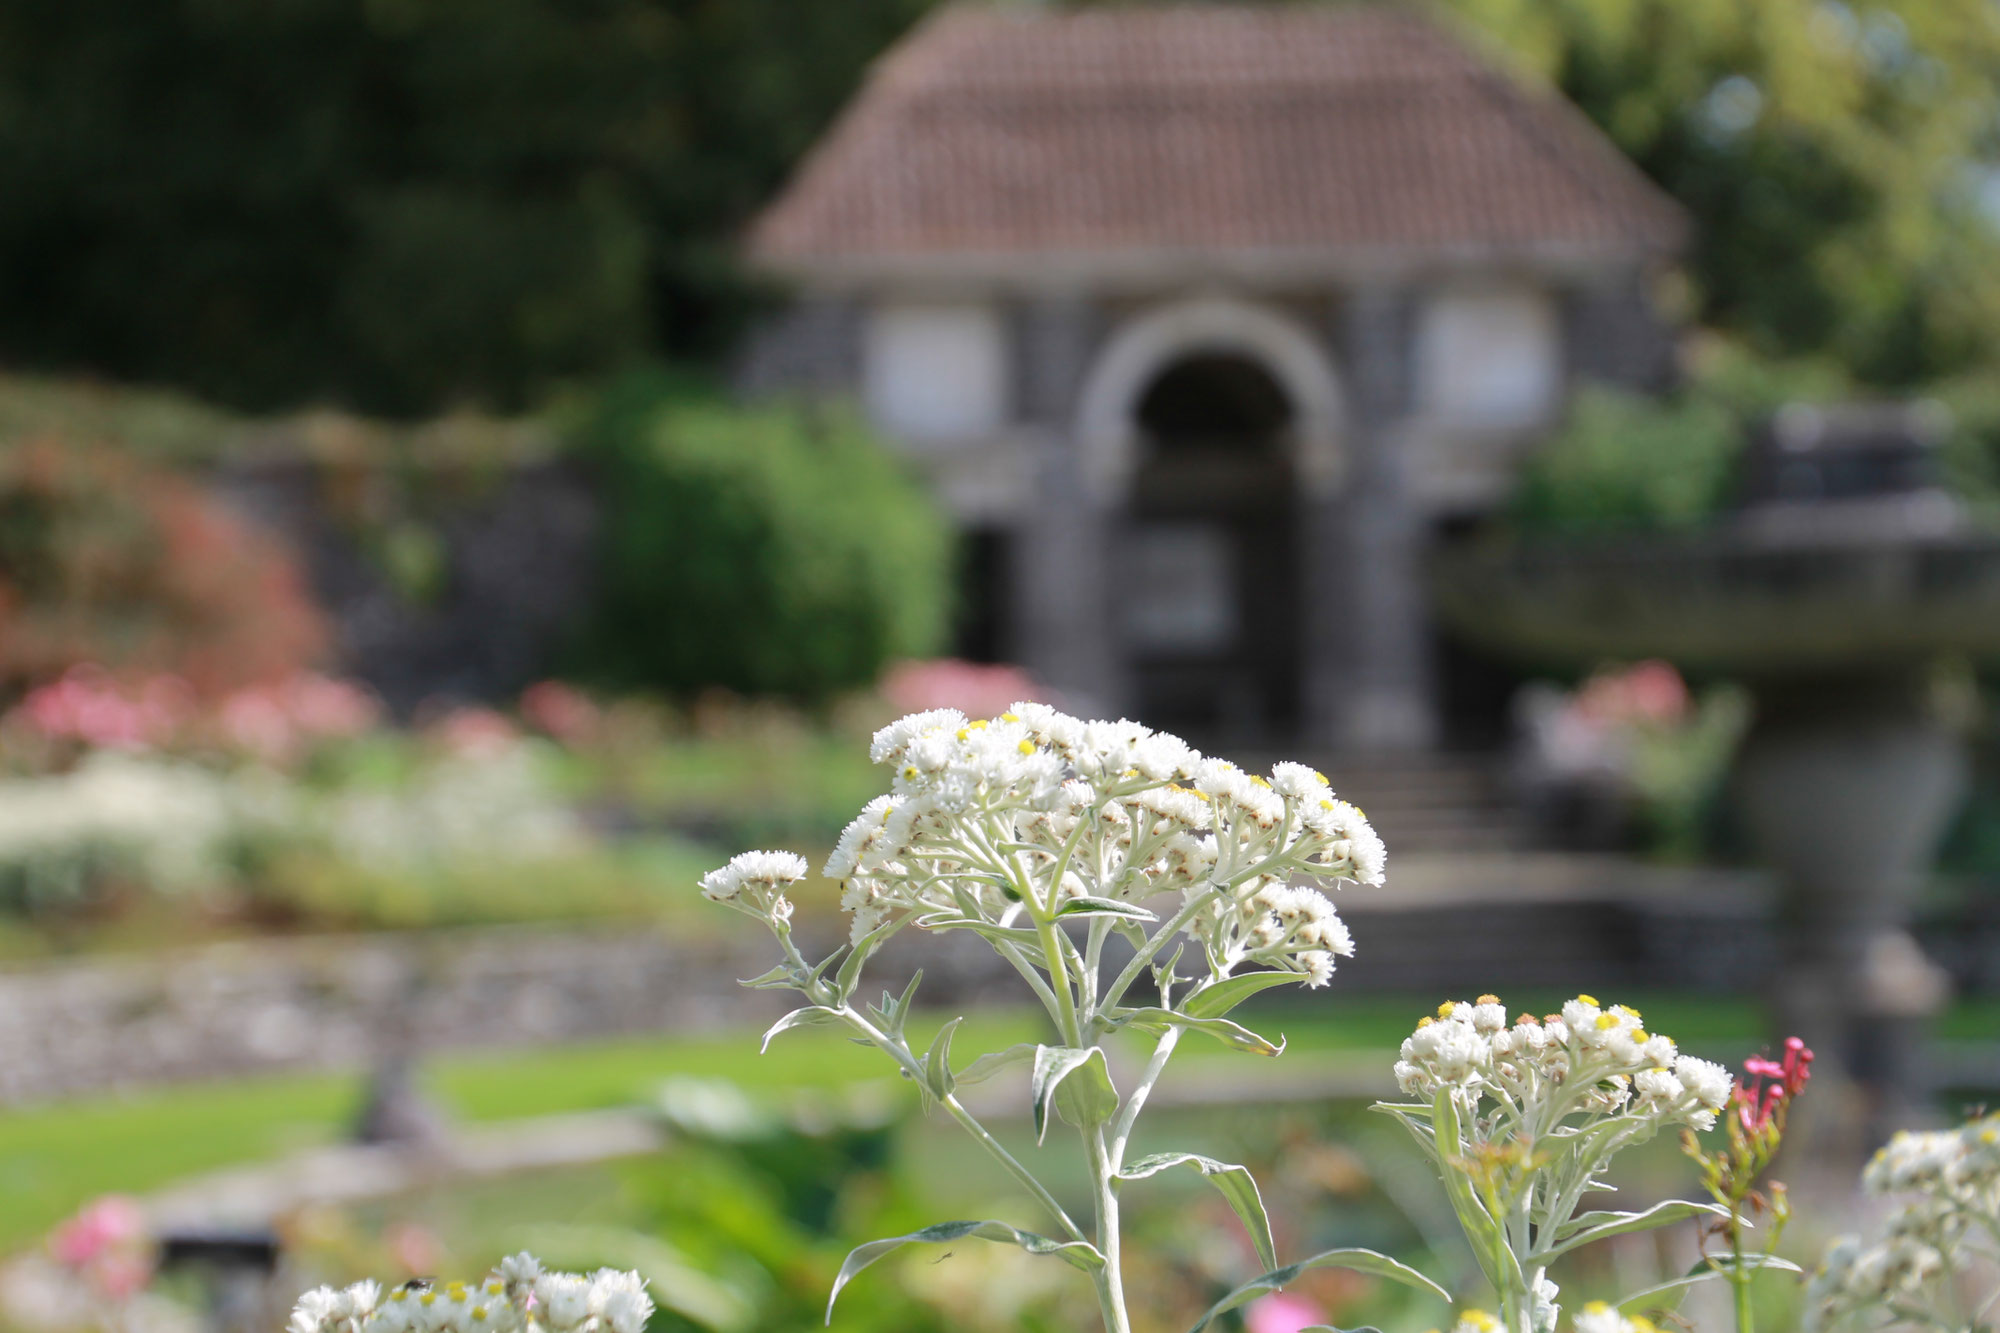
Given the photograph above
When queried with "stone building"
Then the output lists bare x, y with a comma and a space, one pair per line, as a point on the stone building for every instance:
1205, 322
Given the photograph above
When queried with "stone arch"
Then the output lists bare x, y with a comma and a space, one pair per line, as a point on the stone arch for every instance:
1107, 429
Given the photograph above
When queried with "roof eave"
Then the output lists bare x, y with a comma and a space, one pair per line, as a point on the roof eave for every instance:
1152, 267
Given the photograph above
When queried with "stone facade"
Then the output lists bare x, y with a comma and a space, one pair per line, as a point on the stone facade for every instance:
1278, 292
1375, 473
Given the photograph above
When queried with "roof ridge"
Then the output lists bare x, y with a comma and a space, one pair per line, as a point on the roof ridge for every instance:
964, 141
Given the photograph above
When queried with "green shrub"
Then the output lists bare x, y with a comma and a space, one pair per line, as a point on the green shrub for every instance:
770, 550
1623, 463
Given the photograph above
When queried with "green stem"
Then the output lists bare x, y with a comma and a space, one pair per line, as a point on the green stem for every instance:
1059, 979
1111, 1278
903, 1056
1121, 1132
1739, 1278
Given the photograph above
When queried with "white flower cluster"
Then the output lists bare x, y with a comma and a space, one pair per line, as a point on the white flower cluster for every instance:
516, 1297
983, 814
1586, 1059
754, 883
1953, 1177
1600, 1317
1476, 1321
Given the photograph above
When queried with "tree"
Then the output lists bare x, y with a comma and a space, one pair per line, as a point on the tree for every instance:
1841, 161
397, 203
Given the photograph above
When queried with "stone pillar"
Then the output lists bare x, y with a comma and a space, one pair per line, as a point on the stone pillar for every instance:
1062, 549
1370, 677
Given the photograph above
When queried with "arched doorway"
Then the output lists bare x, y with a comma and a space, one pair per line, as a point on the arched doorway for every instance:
1208, 567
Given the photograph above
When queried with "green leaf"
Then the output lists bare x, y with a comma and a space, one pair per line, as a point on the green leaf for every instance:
1076, 1253
1235, 1183
1602, 1226
895, 1010
1228, 1033
780, 977
1481, 1231
1225, 995
1105, 907
1077, 1082
1004, 934
937, 1065
1667, 1295
811, 1016
986, 1066
1360, 1261
849, 975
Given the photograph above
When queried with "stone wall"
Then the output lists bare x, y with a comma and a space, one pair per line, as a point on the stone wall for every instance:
443, 579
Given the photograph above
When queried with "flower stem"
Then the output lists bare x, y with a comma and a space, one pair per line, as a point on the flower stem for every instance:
956, 1110
1111, 1278
1739, 1280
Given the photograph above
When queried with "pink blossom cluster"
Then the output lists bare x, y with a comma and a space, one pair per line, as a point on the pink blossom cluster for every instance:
107, 1245
87, 707
276, 722
1768, 1084
973, 688
1648, 694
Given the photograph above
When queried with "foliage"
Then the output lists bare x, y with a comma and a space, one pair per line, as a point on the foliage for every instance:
397, 204
1623, 463
289, 804
768, 550
1838, 160
106, 560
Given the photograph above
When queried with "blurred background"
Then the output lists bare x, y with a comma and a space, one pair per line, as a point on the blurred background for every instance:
466, 469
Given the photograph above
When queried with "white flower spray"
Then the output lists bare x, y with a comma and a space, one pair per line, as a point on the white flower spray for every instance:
1523, 1119
1092, 856
1949, 1217
516, 1297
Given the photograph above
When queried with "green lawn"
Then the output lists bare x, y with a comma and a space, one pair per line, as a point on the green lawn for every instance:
54, 1157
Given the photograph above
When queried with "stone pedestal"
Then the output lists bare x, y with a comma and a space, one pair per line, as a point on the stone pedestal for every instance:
1846, 785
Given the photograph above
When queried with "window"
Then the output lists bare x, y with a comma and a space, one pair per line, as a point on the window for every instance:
936, 372
1489, 359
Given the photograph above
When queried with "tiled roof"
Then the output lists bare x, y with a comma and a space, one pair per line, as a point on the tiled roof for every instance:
1023, 131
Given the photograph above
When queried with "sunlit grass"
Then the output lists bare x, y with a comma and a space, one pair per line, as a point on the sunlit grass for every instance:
53, 1158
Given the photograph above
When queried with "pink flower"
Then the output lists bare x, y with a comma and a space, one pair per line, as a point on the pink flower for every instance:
559, 711
1282, 1312
970, 687
323, 706
475, 733
1757, 1101
87, 706
111, 1221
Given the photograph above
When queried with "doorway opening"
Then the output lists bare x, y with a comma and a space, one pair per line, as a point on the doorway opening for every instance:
1208, 587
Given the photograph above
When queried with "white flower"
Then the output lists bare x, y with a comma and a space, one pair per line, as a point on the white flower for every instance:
316, 1310
1598, 1317
562, 1300
518, 1270
1709, 1082
359, 1300
892, 741
753, 868
1477, 1321
620, 1300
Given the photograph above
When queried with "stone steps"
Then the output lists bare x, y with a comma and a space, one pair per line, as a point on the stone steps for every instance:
1427, 803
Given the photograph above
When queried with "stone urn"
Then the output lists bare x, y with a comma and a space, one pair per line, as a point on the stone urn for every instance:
1843, 619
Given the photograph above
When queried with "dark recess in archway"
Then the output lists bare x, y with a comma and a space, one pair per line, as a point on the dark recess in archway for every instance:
1208, 586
